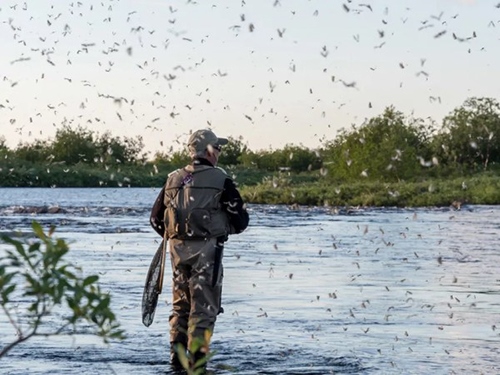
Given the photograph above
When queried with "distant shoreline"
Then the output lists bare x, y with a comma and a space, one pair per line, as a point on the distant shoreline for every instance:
296, 191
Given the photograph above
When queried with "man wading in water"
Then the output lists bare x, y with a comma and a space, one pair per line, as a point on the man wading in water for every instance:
198, 207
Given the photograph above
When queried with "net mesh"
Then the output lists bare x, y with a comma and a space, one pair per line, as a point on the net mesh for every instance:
152, 289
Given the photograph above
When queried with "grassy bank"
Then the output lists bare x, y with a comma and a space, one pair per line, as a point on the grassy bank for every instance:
260, 186
479, 189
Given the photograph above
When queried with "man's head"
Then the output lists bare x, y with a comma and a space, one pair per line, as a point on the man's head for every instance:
204, 143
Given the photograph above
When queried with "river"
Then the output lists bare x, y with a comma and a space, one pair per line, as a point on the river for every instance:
313, 290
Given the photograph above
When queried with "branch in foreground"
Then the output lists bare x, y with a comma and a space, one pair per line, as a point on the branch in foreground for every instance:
47, 281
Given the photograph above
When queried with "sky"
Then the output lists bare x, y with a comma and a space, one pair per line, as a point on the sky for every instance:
274, 72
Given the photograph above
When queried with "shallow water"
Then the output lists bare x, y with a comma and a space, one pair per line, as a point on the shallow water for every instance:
309, 291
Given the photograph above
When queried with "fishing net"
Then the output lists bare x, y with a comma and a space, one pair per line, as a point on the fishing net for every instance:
153, 287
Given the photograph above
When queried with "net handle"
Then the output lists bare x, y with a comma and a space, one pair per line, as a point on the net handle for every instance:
162, 265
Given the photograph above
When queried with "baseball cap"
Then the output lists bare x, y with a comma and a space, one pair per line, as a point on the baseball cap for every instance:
200, 139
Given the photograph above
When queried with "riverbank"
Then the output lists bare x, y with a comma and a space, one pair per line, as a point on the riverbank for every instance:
264, 187
477, 189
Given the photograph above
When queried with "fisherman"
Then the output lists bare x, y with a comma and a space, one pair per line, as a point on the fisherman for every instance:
196, 210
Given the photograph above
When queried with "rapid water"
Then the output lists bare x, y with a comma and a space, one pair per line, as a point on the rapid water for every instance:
306, 291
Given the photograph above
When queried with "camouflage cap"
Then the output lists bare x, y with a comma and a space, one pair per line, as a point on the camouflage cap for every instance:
201, 139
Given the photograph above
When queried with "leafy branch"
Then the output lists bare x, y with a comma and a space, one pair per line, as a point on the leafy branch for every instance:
190, 361
34, 275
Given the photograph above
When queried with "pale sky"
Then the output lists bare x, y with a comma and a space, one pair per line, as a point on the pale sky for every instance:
274, 72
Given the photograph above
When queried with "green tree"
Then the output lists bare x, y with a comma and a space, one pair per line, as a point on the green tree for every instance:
299, 159
74, 145
291, 157
233, 151
171, 160
39, 151
113, 150
249, 159
383, 148
35, 280
470, 134
271, 160
4, 150
166, 162
161, 160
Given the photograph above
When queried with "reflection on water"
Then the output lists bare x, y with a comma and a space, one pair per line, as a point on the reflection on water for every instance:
309, 291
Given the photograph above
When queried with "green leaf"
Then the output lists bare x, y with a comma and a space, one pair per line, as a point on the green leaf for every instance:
181, 353
18, 245
5, 278
37, 229
90, 280
102, 305
6, 292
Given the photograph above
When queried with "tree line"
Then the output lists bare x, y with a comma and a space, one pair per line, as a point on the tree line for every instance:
388, 147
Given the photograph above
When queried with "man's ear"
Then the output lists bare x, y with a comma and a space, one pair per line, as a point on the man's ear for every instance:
210, 152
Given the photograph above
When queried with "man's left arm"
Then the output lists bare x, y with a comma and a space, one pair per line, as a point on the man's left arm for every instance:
233, 205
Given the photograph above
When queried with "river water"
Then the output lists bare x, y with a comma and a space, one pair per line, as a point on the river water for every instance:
306, 291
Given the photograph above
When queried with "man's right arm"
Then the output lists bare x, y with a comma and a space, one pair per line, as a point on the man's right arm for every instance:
157, 213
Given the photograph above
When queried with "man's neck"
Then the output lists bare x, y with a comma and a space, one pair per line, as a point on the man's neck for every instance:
202, 161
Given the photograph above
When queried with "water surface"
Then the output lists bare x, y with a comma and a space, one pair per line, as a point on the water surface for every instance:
308, 291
